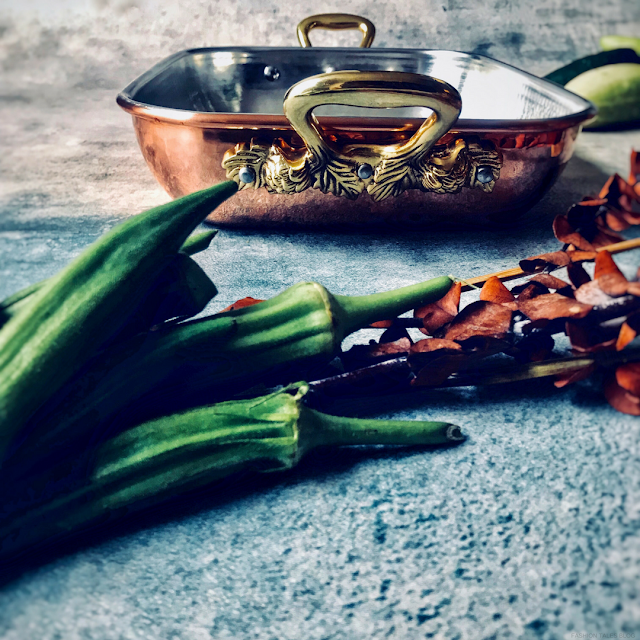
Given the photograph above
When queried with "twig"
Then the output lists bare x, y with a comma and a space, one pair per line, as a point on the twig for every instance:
396, 375
617, 308
517, 272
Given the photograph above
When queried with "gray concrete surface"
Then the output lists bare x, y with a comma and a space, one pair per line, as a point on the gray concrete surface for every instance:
530, 529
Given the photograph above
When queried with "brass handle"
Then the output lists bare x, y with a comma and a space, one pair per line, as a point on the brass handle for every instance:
375, 89
382, 171
335, 21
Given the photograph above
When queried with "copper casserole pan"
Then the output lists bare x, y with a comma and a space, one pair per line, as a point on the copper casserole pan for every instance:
465, 140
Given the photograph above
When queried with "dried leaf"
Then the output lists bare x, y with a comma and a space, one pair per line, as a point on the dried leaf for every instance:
480, 318
604, 236
586, 218
538, 263
438, 370
388, 348
575, 255
575, 376
591, 293
586, 339
239, 304
619, 194
627, 334
549, 281
605, 266
628, 377
617, 220
365, 353
591, 201
494, 291
568, 235
532, 290
551, 306
609, 278
578, 275
434, 344
437, 314
382, 324
620, 399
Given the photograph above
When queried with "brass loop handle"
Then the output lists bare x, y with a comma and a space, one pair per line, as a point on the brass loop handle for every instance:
335, 21
375, 89
382, 171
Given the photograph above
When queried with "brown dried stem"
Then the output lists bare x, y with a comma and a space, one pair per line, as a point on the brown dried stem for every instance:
517, 272
395, 375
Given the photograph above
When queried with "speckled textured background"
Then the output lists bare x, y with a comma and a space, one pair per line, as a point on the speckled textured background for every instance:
529, 529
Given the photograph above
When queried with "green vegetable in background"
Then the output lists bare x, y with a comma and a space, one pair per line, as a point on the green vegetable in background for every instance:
607, 43
575, 68
186, 450
614, 89
88, 302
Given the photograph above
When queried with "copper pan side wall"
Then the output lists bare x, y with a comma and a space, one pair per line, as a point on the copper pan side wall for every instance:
185, 159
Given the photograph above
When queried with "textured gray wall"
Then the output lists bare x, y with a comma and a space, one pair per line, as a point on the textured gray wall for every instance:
106, 43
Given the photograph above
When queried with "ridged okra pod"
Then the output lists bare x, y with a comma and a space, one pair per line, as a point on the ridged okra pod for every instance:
88, 302
195, 243
172, 454
303, 322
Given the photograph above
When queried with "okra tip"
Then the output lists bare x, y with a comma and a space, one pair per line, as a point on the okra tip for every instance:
198, 242
455, 434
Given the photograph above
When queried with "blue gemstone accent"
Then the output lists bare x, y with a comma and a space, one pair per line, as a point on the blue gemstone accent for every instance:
484, 175
365, 171
247, 175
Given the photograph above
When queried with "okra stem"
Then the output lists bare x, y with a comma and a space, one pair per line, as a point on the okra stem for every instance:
337, 430
359, 311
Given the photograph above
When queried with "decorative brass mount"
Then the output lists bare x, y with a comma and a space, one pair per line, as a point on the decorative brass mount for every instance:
382, 171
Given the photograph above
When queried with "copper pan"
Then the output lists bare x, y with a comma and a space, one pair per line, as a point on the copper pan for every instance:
466, 140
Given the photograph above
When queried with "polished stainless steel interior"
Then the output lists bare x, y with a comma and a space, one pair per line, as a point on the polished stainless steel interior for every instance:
255, 80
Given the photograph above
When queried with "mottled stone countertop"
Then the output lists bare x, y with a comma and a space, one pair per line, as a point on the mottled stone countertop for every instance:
531, 528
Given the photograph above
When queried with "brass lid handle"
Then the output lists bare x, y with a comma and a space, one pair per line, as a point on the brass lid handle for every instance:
334, 22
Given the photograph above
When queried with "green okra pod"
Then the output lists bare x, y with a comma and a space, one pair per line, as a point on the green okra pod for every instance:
195, 243
303, 322
175, 453
88, 302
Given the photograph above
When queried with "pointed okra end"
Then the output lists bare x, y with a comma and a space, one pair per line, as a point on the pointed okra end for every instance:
198, 242
356, 312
